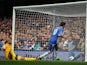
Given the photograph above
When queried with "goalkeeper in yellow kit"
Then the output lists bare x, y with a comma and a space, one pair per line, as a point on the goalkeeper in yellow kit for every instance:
9, 53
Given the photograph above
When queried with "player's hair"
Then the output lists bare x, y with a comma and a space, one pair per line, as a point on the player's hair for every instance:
62, 24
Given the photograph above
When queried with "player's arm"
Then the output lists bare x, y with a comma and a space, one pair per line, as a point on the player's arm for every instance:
62, 35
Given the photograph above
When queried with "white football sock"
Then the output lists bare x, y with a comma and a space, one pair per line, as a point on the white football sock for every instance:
46, 53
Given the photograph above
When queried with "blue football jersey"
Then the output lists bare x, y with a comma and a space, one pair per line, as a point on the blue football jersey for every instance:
54, 34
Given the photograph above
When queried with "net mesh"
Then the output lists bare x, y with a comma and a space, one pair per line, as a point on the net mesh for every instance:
32, 27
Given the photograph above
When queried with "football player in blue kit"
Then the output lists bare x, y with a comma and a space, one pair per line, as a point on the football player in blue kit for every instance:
55, 34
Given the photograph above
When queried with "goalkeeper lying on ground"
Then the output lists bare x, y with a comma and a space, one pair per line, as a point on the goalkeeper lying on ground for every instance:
9, 53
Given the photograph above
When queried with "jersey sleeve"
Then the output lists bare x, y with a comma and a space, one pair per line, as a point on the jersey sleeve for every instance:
60, 31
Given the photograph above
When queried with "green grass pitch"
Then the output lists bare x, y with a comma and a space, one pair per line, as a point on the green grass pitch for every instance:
41, 62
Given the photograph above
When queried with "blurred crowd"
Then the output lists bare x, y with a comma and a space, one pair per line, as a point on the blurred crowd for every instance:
5, 29
33, 31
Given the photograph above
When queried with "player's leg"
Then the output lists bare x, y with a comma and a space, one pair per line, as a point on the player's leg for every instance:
13, 54
30, 59
56, 52
10, 56
7, 56
50, 48
25, 58
45, 54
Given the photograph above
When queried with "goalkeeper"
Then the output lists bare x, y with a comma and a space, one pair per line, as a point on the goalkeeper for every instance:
9, 53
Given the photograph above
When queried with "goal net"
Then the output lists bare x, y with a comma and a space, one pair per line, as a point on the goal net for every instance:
32, 26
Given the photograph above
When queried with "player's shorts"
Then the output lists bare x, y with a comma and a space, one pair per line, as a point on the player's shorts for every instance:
52, 45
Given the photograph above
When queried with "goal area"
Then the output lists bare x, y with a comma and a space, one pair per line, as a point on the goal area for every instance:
33, 24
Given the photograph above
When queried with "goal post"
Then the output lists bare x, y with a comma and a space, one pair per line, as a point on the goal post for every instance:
33, 24
13, 28
86, 37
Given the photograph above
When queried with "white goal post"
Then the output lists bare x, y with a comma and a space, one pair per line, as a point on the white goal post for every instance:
46, 12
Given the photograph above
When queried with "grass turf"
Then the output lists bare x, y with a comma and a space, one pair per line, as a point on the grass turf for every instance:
41, 62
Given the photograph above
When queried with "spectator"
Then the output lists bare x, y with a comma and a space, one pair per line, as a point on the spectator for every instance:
70, 45
62, 44
81, 45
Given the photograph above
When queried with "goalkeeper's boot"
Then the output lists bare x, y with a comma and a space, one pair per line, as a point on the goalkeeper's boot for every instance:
39, 58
